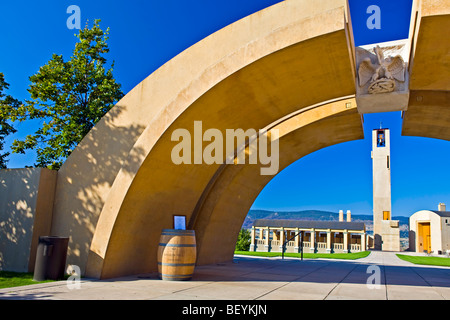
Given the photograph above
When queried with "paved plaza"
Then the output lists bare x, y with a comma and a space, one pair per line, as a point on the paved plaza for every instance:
253, 278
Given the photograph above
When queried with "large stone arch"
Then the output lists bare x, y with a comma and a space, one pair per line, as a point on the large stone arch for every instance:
293, 61
303, 72
428, 113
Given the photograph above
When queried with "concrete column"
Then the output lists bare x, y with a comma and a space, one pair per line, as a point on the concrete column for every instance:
313, 240
297, 241
328, 241
281, 238
381, 183
252, 243
345, 241
363, 241
267, 240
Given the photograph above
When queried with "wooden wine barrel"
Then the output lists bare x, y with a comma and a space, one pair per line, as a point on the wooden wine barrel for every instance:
177, 253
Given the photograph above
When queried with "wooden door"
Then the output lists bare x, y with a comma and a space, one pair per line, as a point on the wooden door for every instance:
424, 237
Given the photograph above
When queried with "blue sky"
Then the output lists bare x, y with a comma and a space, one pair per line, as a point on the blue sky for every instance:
146, 33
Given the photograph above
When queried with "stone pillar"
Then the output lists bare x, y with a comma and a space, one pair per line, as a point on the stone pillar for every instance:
363, 241
252, 243
281, 239
312, 240
345, 241
328, 241
297, 241
267, 240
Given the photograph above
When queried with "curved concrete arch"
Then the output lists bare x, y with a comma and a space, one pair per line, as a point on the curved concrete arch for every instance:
146, 193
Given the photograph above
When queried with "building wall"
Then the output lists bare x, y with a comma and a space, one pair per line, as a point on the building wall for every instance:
435, 229
445, 233
26, 203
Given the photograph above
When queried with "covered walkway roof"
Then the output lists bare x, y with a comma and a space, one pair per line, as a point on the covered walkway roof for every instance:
309, 224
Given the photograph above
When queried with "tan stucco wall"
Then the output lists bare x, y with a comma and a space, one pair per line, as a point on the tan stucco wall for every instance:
390, 235
26, 201
445, 233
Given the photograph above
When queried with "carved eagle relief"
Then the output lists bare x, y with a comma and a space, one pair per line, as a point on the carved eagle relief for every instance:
382, 74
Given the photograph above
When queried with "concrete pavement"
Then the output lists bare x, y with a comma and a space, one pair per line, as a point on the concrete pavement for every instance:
253, 278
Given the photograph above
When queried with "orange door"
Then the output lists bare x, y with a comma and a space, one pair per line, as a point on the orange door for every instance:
424, 237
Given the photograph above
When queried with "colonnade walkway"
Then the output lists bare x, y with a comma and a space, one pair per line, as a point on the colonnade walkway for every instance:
380, 276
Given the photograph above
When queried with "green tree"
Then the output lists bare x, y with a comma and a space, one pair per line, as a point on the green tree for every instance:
70, 97
243, 241
7, 103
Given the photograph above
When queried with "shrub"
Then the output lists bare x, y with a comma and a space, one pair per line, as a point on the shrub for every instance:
243, 241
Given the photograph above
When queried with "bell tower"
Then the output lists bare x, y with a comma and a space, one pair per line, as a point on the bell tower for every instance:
381, 182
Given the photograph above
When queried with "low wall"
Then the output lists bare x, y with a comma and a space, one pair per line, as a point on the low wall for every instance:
26, 203
390, 235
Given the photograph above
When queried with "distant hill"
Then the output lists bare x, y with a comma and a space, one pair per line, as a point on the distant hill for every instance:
321, 216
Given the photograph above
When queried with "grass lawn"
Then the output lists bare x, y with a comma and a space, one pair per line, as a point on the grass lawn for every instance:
15, 279
434, 261
348, 256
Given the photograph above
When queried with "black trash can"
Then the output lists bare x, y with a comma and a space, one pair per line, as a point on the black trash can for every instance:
50, 258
